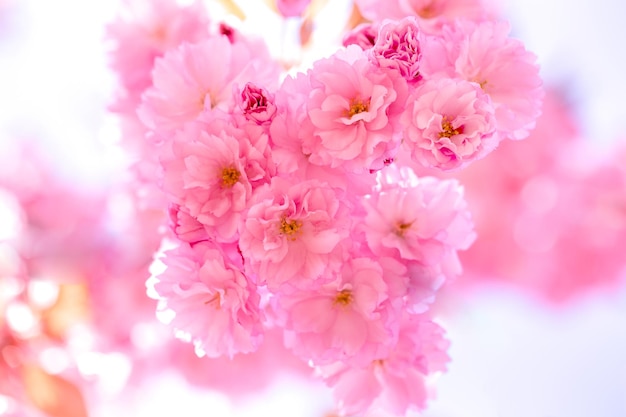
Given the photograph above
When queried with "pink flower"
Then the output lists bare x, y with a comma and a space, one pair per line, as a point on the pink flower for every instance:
348, 319
196, 79
353, 109
504, 70
420, 223
292, 8
186, 227
364, 35
398, 48
287, 142
292, 232
212, 172
449, 124
431, 14
395, 383
215, 305
147, 30
256, 104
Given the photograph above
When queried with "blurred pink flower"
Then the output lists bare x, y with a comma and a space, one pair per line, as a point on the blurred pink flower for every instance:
395, 383
292, 8
191, 81
215, 305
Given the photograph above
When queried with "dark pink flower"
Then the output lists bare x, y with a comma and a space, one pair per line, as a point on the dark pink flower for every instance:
256, 104
398, 47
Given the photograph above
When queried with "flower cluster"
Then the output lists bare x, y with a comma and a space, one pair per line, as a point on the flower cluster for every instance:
293, 204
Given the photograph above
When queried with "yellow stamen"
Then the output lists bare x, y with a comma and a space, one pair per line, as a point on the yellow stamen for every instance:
358, 106
289, 228
230, 176
447, 129
401, 228
344, 297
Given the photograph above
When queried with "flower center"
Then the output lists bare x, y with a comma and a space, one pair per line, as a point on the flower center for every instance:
358, 106
344, 297
289, 227
447, 130
401, 228
230, 176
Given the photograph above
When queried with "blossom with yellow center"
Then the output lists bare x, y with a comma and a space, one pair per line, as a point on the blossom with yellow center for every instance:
230, 176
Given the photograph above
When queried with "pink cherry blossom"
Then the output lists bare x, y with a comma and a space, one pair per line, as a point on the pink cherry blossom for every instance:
146, 30
348, 319
215, 305
212, 172
256, 104
395, 383
353, 111
398, 47
198, 78
291, 8
431, 14
287, 142
292, 232
421, 223
449, 124
364, 35
484, 53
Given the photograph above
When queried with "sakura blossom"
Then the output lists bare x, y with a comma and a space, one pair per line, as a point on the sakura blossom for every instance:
292, 232
189, 82
353, 109
349, 319
397, 382
216, 306
485, 54
421, 223
449, 124
397, 46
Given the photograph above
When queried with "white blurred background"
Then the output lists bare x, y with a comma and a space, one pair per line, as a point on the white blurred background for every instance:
511, 356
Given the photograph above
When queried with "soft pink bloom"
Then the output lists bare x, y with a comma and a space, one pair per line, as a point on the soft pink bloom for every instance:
186, 227
197, 79
215, 304
449, 123
504, 69
287, 142
348, 319
420, 223
292, 8
212, 172
292, 232
146, 30
395, 383
431, 14
353, 110
550, 217
364, 35
398, 47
